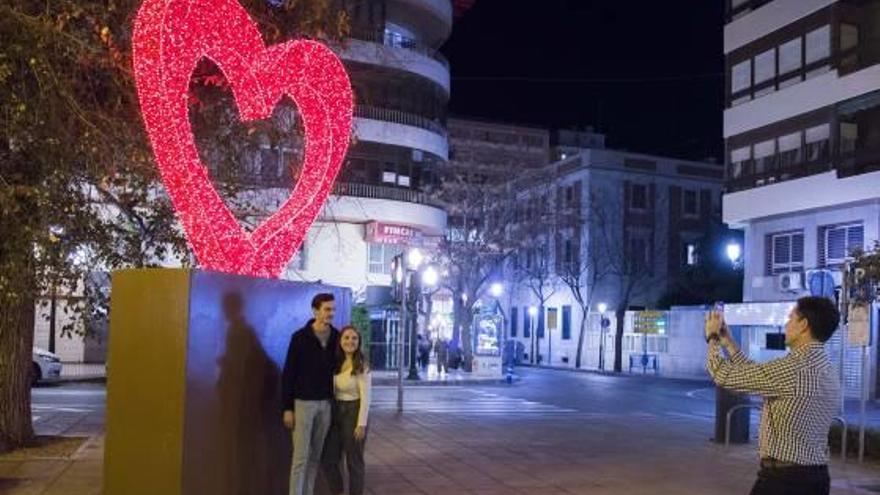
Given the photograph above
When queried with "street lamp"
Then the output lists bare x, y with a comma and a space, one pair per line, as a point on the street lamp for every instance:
414, 258
430, 277
533, 312
496, 290
734, 254
603, 324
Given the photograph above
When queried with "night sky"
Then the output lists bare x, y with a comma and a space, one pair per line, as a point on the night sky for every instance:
648, 74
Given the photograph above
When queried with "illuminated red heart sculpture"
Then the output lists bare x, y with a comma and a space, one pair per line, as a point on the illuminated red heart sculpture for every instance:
170, 38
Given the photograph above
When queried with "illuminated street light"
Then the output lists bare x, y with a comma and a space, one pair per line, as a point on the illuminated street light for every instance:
603, 307
430, 277
414, 259
533, 311
734, 251
496, 290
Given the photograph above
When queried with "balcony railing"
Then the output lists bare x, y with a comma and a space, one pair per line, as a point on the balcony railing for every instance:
398, 117
383, 192
352, 189
397, 41
777, 168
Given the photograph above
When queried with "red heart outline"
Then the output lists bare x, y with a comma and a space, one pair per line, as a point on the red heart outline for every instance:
170, 38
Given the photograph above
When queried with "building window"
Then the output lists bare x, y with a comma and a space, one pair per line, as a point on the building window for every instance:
566, 323
389, 177
790, 149
380, 256
818, 44
541, 325
817, 142
838, 242
527, 324
403, 180
849, 135
785, 252
689, 254
514, 320
639, 253
639, 197
741, 77
765, 153
739, 160
790, 56
765, 70
691, 205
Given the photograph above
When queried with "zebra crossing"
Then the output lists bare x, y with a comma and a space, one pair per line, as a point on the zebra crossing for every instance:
465, 402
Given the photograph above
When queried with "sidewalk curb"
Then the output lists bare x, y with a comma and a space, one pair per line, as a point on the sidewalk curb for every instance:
613, 374
77, 379
382, 382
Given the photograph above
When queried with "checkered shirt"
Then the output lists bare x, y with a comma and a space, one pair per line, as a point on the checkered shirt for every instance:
801, 397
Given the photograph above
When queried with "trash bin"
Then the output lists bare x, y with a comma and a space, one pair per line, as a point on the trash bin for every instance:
725, 400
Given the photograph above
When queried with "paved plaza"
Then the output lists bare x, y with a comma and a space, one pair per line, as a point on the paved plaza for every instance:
552, 432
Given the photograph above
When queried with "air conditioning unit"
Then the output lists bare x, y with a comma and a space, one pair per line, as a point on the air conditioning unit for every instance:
790, 282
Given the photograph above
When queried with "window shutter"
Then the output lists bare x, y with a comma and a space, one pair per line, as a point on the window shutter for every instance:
566, 323
797, 251
559, 253
578, 185
768, 254
822, 258
855, 238
527, 324
514, 320
541, 322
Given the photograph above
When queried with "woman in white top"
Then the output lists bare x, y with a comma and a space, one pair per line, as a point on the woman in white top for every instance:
348, 433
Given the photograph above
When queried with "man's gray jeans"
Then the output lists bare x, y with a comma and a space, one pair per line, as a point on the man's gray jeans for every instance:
309, 433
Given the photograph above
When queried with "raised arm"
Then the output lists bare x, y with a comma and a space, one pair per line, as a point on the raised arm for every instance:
775, 378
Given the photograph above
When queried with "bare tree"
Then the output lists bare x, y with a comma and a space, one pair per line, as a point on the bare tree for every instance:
77, 178
475, 247
627, 242
533, 235
580, 266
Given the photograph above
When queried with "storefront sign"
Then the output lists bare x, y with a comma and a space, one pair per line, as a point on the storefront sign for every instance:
387, 233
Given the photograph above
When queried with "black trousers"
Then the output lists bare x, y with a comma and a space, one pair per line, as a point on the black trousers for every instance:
341, 442
794, 480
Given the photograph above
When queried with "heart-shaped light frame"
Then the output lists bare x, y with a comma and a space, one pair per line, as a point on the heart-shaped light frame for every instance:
170, 38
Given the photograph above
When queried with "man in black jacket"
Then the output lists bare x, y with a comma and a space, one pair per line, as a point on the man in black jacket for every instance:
307, 392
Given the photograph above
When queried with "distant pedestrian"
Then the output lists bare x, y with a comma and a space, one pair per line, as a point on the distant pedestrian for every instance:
441, 352
801, 396
424, 351
348, 435
307, 392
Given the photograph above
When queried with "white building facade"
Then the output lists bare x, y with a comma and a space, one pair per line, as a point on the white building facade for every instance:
802, 131
655, 210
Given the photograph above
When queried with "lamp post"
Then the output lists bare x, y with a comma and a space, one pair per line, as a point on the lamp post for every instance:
734, 254
604, 323
414, 259
533, 313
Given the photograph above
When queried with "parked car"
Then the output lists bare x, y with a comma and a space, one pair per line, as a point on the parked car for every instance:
46, 367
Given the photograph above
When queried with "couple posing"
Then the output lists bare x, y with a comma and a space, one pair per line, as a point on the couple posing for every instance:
326, 398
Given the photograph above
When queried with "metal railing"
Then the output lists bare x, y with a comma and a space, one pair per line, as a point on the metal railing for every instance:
383, 192
398, 41
399, 117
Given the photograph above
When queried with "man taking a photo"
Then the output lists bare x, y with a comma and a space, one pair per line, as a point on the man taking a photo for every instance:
801, 395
